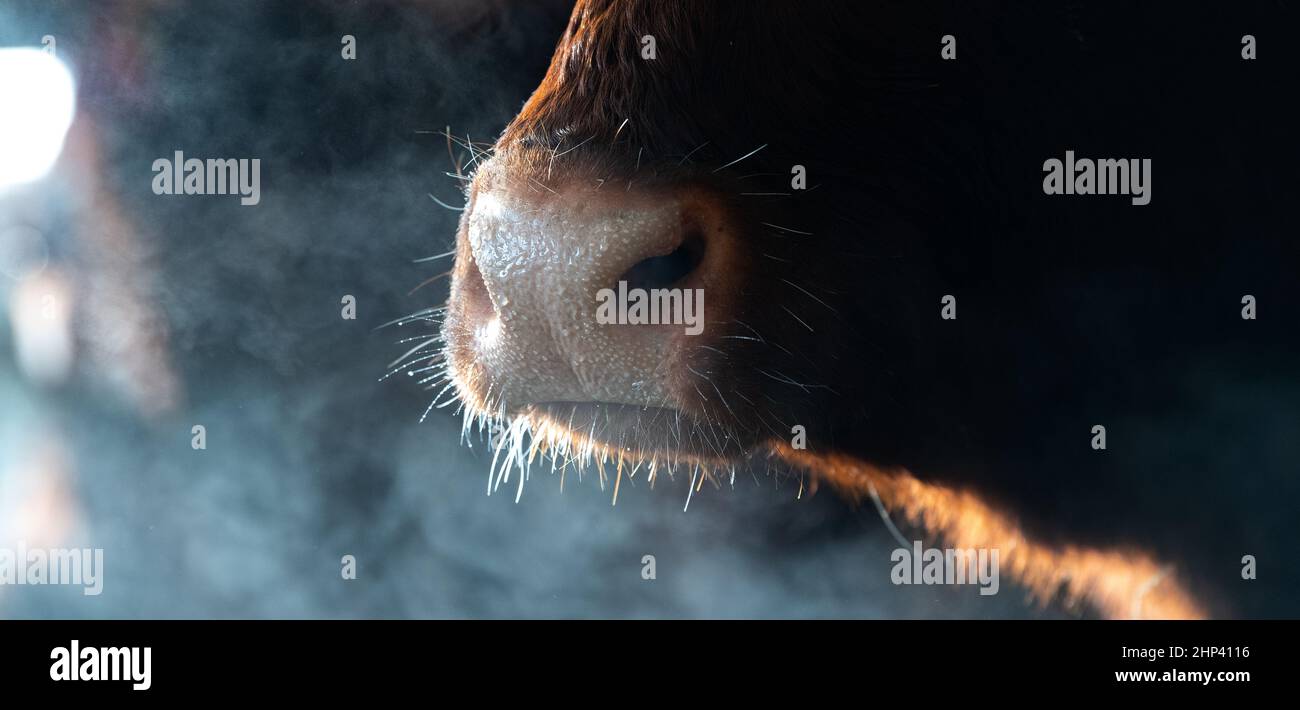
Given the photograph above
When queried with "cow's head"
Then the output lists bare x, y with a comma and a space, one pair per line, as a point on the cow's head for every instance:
822, 299
721, 150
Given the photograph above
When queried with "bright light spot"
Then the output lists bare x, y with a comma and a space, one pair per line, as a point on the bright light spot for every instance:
489, 334
486, 204
40, 313
37, 99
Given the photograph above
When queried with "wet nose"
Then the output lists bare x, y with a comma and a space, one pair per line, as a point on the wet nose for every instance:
545, 293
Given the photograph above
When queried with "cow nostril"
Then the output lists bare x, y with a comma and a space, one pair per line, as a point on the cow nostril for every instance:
664, 271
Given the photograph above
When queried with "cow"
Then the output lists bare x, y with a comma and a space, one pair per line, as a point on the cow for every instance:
894, 303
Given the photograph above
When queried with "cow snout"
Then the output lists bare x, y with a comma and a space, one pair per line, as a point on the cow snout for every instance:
587, 295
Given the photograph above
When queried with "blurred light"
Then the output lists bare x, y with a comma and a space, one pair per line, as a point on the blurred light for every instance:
41, 314
38, 98
38, 503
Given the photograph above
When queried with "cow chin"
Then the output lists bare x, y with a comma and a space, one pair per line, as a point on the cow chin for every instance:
635, 434
627, 438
